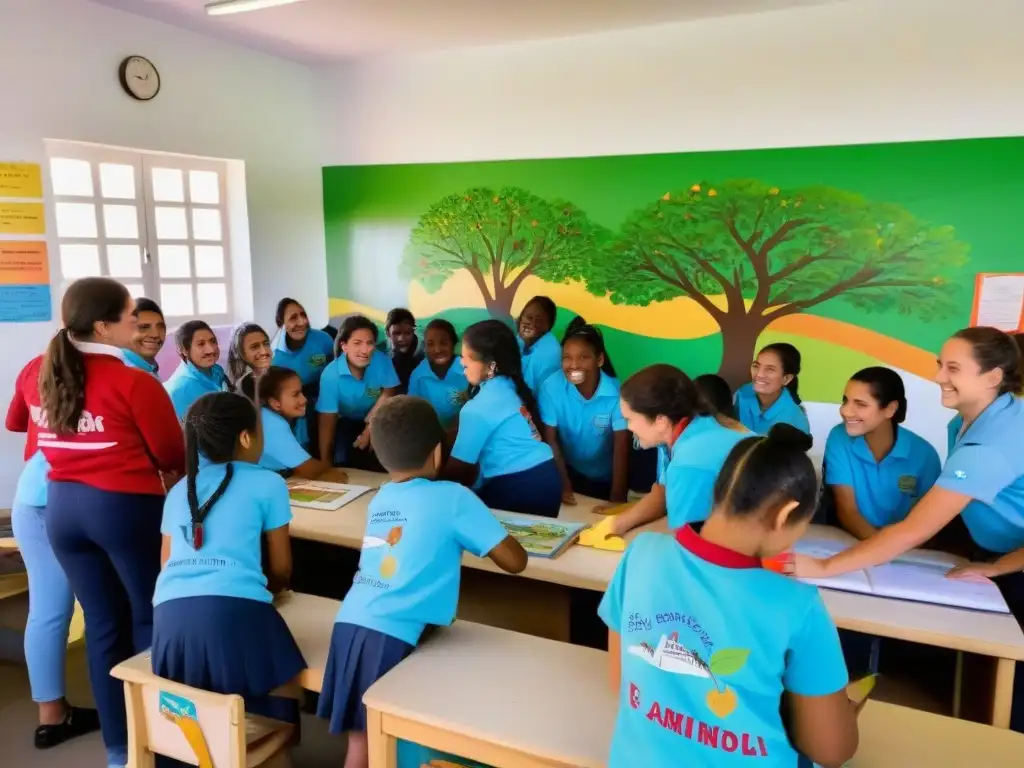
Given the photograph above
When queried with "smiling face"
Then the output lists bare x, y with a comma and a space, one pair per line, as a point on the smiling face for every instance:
964, 386
767, 375
533, 323
296, 323
359, 347
440, 349
861, 412
649, 432
476, 370
402, 337
579, 363
256, 350
150, 335
204, 351
290, 402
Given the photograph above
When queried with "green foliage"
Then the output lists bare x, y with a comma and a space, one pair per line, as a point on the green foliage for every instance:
728, 661
773, 252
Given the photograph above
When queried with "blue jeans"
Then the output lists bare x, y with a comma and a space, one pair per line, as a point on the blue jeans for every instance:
50, 605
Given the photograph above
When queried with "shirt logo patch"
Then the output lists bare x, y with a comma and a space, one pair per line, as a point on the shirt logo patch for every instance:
960, 474
602, 422
316, 361
373, 392
457, 396
907, 484
529, 420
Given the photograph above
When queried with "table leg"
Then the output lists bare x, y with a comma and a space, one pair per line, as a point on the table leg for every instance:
958, 683
382, 747
1002, 696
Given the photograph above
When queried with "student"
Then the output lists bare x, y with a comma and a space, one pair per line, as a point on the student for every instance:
198, 373
498, 449
582, 420
440, 378
542, 355
149, 338
305, 350
782, 694
716, 393
249, 354
406, 355
282, 406
108, 431
663, 408
212, 599
50, 602
417, 529
773, 396
876, 470
351, 388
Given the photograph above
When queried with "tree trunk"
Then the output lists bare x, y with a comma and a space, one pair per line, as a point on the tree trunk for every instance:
500, 306
740, 333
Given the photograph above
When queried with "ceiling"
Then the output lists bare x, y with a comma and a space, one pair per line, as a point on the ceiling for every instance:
325, 31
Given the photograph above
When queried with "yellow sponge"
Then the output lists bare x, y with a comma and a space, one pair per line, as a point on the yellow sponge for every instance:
600, 537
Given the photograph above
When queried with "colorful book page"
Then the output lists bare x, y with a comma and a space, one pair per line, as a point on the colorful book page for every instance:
540, 537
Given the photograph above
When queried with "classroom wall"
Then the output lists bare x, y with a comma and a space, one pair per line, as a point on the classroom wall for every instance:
59, 81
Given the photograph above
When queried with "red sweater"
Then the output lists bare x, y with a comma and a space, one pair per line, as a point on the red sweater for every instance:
127, 434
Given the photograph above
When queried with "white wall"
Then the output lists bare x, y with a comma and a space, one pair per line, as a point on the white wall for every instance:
58, 80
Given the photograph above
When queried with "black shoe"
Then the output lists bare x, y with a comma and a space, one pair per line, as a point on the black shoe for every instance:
78, 722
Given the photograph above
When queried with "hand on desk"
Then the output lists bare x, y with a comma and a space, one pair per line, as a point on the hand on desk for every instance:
603, 536
974, 572
363, 441
568, 497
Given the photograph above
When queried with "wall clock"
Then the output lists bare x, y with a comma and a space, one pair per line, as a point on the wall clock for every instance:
139, 78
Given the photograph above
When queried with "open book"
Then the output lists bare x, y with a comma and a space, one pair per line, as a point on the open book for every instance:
540, 536
317, 494
918, 575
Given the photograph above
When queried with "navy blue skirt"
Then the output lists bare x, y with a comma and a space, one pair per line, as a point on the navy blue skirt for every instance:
534, 491
358, 658
228, 645
588, 486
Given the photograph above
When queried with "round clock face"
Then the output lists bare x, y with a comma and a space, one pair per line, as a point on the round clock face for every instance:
140, 78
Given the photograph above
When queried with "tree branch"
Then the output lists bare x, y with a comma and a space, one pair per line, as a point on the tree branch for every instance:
861, 280
682, 282
478, 277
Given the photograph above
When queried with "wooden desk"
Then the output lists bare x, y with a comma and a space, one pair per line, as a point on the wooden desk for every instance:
311, 621
507, 699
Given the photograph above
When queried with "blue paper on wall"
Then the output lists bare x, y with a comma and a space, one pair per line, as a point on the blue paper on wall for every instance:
25, 303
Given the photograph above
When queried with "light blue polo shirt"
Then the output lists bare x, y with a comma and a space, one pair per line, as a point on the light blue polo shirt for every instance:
586, 428
697, 458
310, 359
785, 410
229, 562
135, 360
542, 359
187, 384
447, 395
497, 432
409, 569
281, 449
31, 488
352, 398
705, 664
885, 490
987, 464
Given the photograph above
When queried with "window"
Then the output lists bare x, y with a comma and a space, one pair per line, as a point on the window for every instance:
155, 222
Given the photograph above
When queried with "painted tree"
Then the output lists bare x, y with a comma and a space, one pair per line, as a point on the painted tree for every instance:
749, 253
500, 238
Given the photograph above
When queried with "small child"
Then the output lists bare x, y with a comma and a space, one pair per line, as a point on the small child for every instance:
743, 662
417, 529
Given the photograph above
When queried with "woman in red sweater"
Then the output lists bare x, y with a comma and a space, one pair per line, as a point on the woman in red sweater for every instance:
109, 432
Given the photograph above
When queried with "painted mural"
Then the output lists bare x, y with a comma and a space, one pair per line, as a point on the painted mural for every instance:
858, 255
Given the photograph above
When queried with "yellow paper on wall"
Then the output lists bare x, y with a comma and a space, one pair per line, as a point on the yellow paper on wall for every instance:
21, 180
22, 219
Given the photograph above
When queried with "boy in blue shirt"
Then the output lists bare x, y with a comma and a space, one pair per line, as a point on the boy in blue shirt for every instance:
408, 578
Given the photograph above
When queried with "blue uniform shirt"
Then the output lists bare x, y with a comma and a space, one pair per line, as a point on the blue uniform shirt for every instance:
229, 562
704, 667
497, 432
542, 359
987, 464
885, 490
187, 384
281, 449
697, 457
409, 569
447, 395
785, 410
310, 359
31, 488
586, 428
352, 398
135, 360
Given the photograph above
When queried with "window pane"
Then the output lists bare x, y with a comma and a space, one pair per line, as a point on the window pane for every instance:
168, 185
213, 298
124, 260
171, 223
121, 222
209, 261
117, 181
79, 261
174, 261
71, 177
206, 224
75, 219
204, 187
176, 299
135, 290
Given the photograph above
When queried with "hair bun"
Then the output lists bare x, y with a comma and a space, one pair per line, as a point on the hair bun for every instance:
788, 436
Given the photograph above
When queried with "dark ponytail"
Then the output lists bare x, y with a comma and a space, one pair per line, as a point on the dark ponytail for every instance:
664, 390
580, 329
768, 472
86, 302
212, 427
496, 345
886, 387
716, 392
789, 356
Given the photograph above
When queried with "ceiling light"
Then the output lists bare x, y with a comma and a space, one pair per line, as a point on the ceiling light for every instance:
224, 7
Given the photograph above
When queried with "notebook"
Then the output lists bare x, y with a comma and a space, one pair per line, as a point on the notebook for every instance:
540, 536
316, 494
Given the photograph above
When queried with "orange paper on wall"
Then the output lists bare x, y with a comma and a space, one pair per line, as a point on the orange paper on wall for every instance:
24, 263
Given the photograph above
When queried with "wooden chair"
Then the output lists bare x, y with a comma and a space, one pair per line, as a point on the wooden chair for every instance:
197, 727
